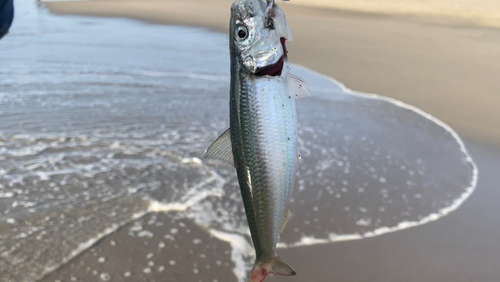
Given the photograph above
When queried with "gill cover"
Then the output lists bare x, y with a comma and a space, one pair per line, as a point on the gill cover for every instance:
257, 29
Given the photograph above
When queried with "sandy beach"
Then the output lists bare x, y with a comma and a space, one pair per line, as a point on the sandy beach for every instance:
440, 63
478, 12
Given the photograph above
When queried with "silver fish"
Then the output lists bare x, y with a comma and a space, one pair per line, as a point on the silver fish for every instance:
262, 139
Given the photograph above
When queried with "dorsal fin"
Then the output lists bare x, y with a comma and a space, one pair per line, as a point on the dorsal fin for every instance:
287, 218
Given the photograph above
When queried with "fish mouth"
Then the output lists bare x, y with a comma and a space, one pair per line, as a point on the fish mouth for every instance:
272, 70
275, 69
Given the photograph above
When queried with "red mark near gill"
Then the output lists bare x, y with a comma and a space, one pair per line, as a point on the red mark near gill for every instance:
283, 44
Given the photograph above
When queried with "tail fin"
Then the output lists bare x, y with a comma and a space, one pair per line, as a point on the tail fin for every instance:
280, 267
275, 267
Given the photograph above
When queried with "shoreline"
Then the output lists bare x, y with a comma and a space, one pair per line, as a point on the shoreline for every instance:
440, 67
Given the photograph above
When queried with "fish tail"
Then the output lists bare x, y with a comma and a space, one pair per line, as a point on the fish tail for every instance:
261, 270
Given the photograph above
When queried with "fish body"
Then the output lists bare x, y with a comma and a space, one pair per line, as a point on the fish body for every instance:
262, 140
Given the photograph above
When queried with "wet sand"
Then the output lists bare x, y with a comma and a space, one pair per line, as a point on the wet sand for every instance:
445, 69
150, 249
460, 247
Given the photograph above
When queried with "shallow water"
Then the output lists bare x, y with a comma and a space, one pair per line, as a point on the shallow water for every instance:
105, 120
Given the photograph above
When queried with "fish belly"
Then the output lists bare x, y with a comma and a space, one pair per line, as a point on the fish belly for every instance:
267, 120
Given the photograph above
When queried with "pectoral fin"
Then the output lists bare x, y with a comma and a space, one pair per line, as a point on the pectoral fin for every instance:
221, 149
298, 87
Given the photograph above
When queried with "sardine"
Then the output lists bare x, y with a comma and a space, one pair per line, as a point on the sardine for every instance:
262, 139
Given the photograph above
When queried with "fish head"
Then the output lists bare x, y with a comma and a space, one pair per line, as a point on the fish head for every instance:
258, 34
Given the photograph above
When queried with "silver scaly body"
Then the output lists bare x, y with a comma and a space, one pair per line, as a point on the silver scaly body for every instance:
262, 139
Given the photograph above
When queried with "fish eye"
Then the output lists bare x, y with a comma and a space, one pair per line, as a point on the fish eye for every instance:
242, 33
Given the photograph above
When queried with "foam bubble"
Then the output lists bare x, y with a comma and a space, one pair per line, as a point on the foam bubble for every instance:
240, 250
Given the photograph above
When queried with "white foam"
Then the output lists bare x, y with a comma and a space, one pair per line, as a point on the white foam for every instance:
240, 248
145, 233
209, 77
192, 197
308, 241
332, 238
191, 160
6, 194
364, 222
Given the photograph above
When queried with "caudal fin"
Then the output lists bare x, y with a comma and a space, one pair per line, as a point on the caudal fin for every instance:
280, 267
276, 267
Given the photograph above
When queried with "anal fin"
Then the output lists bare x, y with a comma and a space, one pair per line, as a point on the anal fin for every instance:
221, 149
287, 218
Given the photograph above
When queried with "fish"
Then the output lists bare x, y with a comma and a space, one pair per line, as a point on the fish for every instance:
262, 141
